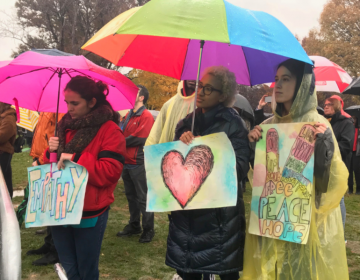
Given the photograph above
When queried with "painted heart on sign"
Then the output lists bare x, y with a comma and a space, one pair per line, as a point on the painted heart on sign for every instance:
184, 177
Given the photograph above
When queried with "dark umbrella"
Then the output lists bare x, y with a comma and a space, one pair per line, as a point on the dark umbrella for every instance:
244, 108
353, 88
320, 110
53, 52
353, 110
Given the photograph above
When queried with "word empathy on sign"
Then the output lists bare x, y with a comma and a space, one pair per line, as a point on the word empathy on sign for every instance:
196, 176
283, 176
56, 197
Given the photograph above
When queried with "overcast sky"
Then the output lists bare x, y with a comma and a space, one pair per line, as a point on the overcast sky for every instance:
298, 15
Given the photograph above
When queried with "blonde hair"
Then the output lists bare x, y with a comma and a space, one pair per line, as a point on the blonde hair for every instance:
228, 81
337, 104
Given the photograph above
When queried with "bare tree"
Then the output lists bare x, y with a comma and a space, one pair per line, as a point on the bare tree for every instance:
62, 24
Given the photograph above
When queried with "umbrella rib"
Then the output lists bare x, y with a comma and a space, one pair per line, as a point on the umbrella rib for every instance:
80, 73
84, 75
35, 70
49, 80
42, 92
66, 71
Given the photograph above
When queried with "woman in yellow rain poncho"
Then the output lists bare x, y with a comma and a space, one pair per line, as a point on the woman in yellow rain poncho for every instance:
324, 255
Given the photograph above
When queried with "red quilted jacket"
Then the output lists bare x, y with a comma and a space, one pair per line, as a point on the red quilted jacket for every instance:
136, 131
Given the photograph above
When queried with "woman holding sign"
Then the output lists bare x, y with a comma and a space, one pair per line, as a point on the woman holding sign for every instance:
90, 136
323, 256
211, 241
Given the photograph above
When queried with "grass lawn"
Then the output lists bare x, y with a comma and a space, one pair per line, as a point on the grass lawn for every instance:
126, 258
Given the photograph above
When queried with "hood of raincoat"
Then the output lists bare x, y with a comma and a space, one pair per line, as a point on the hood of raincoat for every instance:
324, 255
174, 110
342, 105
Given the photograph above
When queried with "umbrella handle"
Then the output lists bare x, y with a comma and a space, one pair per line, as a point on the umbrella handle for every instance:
202, 42
53, 157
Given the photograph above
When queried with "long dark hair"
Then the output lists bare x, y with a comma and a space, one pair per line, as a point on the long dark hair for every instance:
88, 89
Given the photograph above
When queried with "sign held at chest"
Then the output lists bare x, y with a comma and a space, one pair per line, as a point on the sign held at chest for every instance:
56, 197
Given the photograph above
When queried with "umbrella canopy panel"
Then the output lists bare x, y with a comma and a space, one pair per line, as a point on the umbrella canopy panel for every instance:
28, 119
353, 88
353, 110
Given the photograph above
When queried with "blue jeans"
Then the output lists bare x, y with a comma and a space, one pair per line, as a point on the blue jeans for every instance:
79, 248
343, 212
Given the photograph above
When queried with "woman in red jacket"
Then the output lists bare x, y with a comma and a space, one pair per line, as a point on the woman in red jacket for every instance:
90, 136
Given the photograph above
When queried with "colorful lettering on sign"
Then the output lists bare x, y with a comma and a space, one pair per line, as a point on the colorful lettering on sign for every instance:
57, 197
282, 205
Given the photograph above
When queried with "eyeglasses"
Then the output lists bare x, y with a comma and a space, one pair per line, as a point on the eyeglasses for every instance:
328, 105
207, 90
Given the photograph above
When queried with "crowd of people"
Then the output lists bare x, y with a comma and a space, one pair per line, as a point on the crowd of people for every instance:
206, 241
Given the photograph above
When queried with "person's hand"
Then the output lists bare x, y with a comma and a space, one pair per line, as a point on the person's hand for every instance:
320, 128
64, 156
34, 163
262, 102
187, 137
53, 144
255, 134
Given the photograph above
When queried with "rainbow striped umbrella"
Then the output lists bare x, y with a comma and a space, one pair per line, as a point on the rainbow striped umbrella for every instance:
179, 38
163, 37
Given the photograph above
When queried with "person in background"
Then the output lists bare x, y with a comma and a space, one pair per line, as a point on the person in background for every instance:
343, 127
269, 258
7, 140
44, 129
137, 126
248, 118
175, 109
355, 160
211, 241
89, 135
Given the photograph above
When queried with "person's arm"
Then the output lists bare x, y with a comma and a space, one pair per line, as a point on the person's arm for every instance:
259, 116
106, 168
46, 156
240, 143
180, 129
138, 137
323, 154
7, 128
157, 128
346, 140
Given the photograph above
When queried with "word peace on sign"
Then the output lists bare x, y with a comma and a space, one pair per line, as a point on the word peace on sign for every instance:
283, 207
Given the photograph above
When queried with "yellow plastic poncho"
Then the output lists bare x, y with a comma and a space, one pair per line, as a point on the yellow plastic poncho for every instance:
174, 110
324, 255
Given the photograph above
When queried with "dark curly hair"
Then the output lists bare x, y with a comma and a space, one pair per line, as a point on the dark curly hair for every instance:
88, 89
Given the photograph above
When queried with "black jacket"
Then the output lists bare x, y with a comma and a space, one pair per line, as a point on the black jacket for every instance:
211, 240
343, 128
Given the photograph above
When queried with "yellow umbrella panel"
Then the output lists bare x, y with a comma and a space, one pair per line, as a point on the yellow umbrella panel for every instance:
28, 119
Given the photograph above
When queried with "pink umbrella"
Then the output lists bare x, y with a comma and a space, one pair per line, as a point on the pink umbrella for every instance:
328, 75
36, 80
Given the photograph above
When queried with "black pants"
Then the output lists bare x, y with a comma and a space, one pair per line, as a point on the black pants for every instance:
198, 276
5, 162
136, 191
354, 168
49, 242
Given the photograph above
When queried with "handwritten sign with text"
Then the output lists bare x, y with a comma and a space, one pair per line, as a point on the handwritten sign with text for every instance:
56, 197
283, 177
